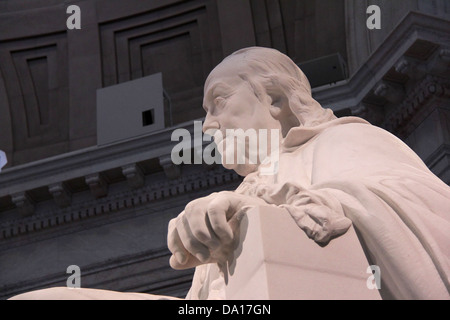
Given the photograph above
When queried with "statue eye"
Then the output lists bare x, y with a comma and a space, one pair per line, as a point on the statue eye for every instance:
219, 101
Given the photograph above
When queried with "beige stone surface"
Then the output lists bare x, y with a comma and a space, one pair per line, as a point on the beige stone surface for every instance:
264, 267
63, 293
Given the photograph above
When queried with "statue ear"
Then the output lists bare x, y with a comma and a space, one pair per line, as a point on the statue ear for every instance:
278, 103
275, 111
281, 111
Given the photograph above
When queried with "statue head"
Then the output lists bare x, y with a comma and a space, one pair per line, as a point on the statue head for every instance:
259, 88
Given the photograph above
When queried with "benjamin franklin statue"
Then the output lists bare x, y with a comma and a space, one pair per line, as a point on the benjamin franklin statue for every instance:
331, 173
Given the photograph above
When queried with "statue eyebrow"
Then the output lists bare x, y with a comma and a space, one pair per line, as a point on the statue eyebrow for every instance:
217, 89
220, 89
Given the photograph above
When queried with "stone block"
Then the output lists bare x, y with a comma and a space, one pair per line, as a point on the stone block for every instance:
276, 260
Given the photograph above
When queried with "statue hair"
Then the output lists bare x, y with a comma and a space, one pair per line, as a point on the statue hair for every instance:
278, 76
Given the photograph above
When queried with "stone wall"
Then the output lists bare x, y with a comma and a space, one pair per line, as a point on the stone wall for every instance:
49, 74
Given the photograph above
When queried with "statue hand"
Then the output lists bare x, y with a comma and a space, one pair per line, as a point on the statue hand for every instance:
319, 222
205, 231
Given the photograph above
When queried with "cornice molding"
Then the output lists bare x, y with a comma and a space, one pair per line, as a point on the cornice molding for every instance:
152, 197
429, 87
415, 26
88, 161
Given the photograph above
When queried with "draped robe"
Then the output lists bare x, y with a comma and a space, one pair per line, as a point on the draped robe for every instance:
344, 172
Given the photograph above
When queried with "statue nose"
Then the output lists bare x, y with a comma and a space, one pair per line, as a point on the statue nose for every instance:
210, 123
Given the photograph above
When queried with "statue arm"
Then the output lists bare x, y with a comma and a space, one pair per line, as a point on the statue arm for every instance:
364, 176
343, 155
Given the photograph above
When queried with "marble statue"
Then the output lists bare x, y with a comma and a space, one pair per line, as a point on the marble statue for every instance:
330, 174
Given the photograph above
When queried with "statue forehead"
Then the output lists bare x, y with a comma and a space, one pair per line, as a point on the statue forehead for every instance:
243, 62
227, 72
228, 67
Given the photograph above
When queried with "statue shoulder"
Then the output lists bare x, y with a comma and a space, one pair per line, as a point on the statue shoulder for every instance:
360, 149
358, 135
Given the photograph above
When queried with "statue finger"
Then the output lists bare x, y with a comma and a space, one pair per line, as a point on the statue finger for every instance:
199, 225
201, 229
191, 262
179, 252
217, 214
190, 242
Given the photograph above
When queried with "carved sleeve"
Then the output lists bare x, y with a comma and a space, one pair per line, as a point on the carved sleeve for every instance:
318, 212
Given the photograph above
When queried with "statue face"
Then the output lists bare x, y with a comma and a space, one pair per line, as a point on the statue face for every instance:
231, 104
